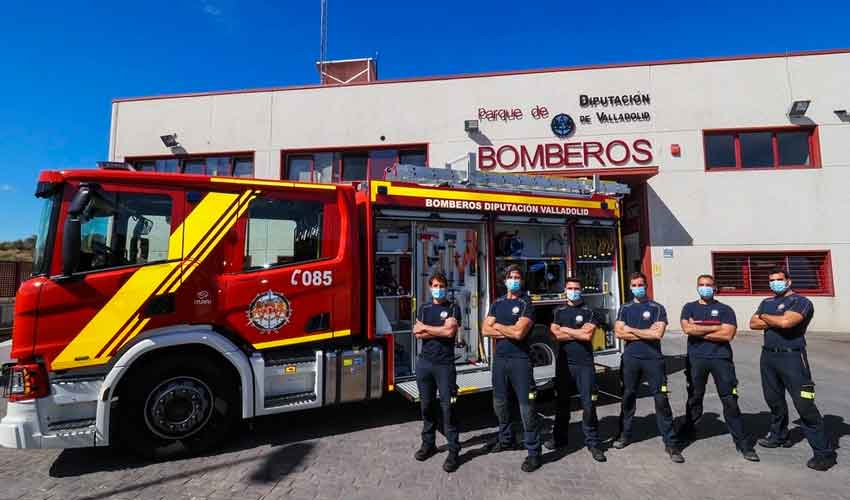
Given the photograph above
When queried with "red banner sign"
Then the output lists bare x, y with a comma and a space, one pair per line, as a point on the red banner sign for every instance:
590, 154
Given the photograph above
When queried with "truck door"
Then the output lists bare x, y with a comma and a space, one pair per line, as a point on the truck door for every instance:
129, 246
291, 278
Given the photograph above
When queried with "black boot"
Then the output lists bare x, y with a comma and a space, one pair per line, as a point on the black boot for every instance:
597, 454
425, 452
451, 464
821, 462
773, 442
531, 463
675, 455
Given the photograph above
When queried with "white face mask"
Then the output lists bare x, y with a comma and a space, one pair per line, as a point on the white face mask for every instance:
513, 285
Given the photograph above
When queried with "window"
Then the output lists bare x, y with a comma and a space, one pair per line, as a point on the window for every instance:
794, 147
125, 229
741, 273
301, 168
354, 167
226, 166
283, 232
346, 166
415, 157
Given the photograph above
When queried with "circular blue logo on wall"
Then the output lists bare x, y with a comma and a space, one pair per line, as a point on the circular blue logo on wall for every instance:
563, 125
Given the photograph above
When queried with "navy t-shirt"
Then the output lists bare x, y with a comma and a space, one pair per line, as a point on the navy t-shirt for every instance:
713, 313
439, 350
507, 312
576, 316
787, 338
642, 315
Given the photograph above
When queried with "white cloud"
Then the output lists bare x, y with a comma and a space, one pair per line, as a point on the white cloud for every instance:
210, 8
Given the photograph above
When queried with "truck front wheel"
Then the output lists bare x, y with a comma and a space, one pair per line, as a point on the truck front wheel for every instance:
190, 401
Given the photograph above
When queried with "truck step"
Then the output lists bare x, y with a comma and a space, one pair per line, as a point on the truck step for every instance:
477, 381
296, 399
67, 425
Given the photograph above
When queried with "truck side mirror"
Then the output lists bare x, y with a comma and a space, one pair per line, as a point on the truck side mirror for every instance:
71, 237
71, 245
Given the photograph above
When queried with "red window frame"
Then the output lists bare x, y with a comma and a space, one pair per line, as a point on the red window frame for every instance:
182, 159
826, 288
814, 148
341, 151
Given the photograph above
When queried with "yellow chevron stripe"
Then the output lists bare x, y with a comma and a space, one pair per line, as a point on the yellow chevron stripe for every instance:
190, 260
301, 340
132, 324
132, 334
215, 237
194, 230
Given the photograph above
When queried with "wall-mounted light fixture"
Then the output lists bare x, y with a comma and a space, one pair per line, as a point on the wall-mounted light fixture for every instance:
842, 115
470, 126
798, 109
169, 140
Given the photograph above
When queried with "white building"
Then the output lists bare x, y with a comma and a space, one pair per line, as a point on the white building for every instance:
724, 180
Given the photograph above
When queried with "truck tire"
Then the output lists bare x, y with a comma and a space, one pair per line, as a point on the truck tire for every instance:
174, 400
543, 347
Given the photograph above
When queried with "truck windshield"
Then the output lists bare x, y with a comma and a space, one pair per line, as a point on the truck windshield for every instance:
46, 222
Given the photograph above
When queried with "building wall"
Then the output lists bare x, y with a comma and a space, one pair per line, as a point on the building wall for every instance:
692, 211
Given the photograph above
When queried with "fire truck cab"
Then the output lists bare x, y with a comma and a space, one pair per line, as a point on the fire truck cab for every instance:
164, 308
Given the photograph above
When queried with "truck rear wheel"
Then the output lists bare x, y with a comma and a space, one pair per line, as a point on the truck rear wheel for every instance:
169, 401
542, 347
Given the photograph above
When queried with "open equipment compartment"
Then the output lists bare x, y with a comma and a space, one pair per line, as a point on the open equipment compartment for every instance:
472, 227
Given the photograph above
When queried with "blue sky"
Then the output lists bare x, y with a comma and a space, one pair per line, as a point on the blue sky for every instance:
61, 63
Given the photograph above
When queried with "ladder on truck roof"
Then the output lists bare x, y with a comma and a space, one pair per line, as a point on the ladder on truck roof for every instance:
469, 178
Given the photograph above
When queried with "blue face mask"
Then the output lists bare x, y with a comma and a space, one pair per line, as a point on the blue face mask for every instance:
706, 292
438, 293
574, 295
639, 292
778, 286
513, 285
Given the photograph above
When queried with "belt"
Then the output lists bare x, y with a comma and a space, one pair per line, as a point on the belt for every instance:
782, 349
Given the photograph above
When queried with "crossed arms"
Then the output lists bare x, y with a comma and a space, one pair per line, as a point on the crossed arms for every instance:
654, 332
788, 319
448, 330
723, 332
562, 333
517, 331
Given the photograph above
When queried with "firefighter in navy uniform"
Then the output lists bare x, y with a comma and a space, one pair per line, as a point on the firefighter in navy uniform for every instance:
785, 366
710, 327
641, 323
573, 325
508, 322
436, 325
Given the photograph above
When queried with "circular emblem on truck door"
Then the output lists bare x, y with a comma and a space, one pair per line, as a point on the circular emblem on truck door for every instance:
269, 311
563, 125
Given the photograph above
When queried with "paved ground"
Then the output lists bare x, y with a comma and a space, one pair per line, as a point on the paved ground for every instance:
365, 451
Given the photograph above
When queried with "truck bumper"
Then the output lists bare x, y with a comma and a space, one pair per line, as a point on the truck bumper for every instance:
64, 419
21, 428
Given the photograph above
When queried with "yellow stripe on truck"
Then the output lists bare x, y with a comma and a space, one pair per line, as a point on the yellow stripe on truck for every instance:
203, 225
301, 340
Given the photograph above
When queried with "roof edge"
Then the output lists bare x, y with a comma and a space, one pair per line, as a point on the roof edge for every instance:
490, 74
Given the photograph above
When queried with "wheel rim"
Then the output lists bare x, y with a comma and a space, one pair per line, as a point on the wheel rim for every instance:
178, 407
540, 354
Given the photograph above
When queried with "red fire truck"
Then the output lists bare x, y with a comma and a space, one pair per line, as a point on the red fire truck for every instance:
165, 308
